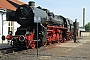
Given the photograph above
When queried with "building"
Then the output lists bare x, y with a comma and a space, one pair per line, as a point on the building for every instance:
6, 26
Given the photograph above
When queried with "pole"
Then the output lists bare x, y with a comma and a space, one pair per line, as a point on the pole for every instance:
83, 17
37, 36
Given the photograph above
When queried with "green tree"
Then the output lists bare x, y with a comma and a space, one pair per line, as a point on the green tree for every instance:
87, 27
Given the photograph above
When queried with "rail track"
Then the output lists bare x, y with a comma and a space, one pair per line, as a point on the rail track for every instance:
13, 50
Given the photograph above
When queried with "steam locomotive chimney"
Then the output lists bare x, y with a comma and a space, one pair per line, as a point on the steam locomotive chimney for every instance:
31, 3
83, 17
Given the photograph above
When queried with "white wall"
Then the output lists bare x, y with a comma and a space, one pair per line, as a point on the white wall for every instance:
0, 27
85, 34
5, 27
16, 25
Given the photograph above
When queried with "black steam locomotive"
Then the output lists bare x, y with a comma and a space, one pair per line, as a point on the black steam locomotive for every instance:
38, 24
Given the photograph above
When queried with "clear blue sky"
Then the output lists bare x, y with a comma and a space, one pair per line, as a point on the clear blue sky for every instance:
71, 9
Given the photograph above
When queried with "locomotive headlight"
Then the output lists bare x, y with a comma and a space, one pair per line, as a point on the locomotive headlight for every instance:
21, 38
27, 32
40, 33
10, 32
